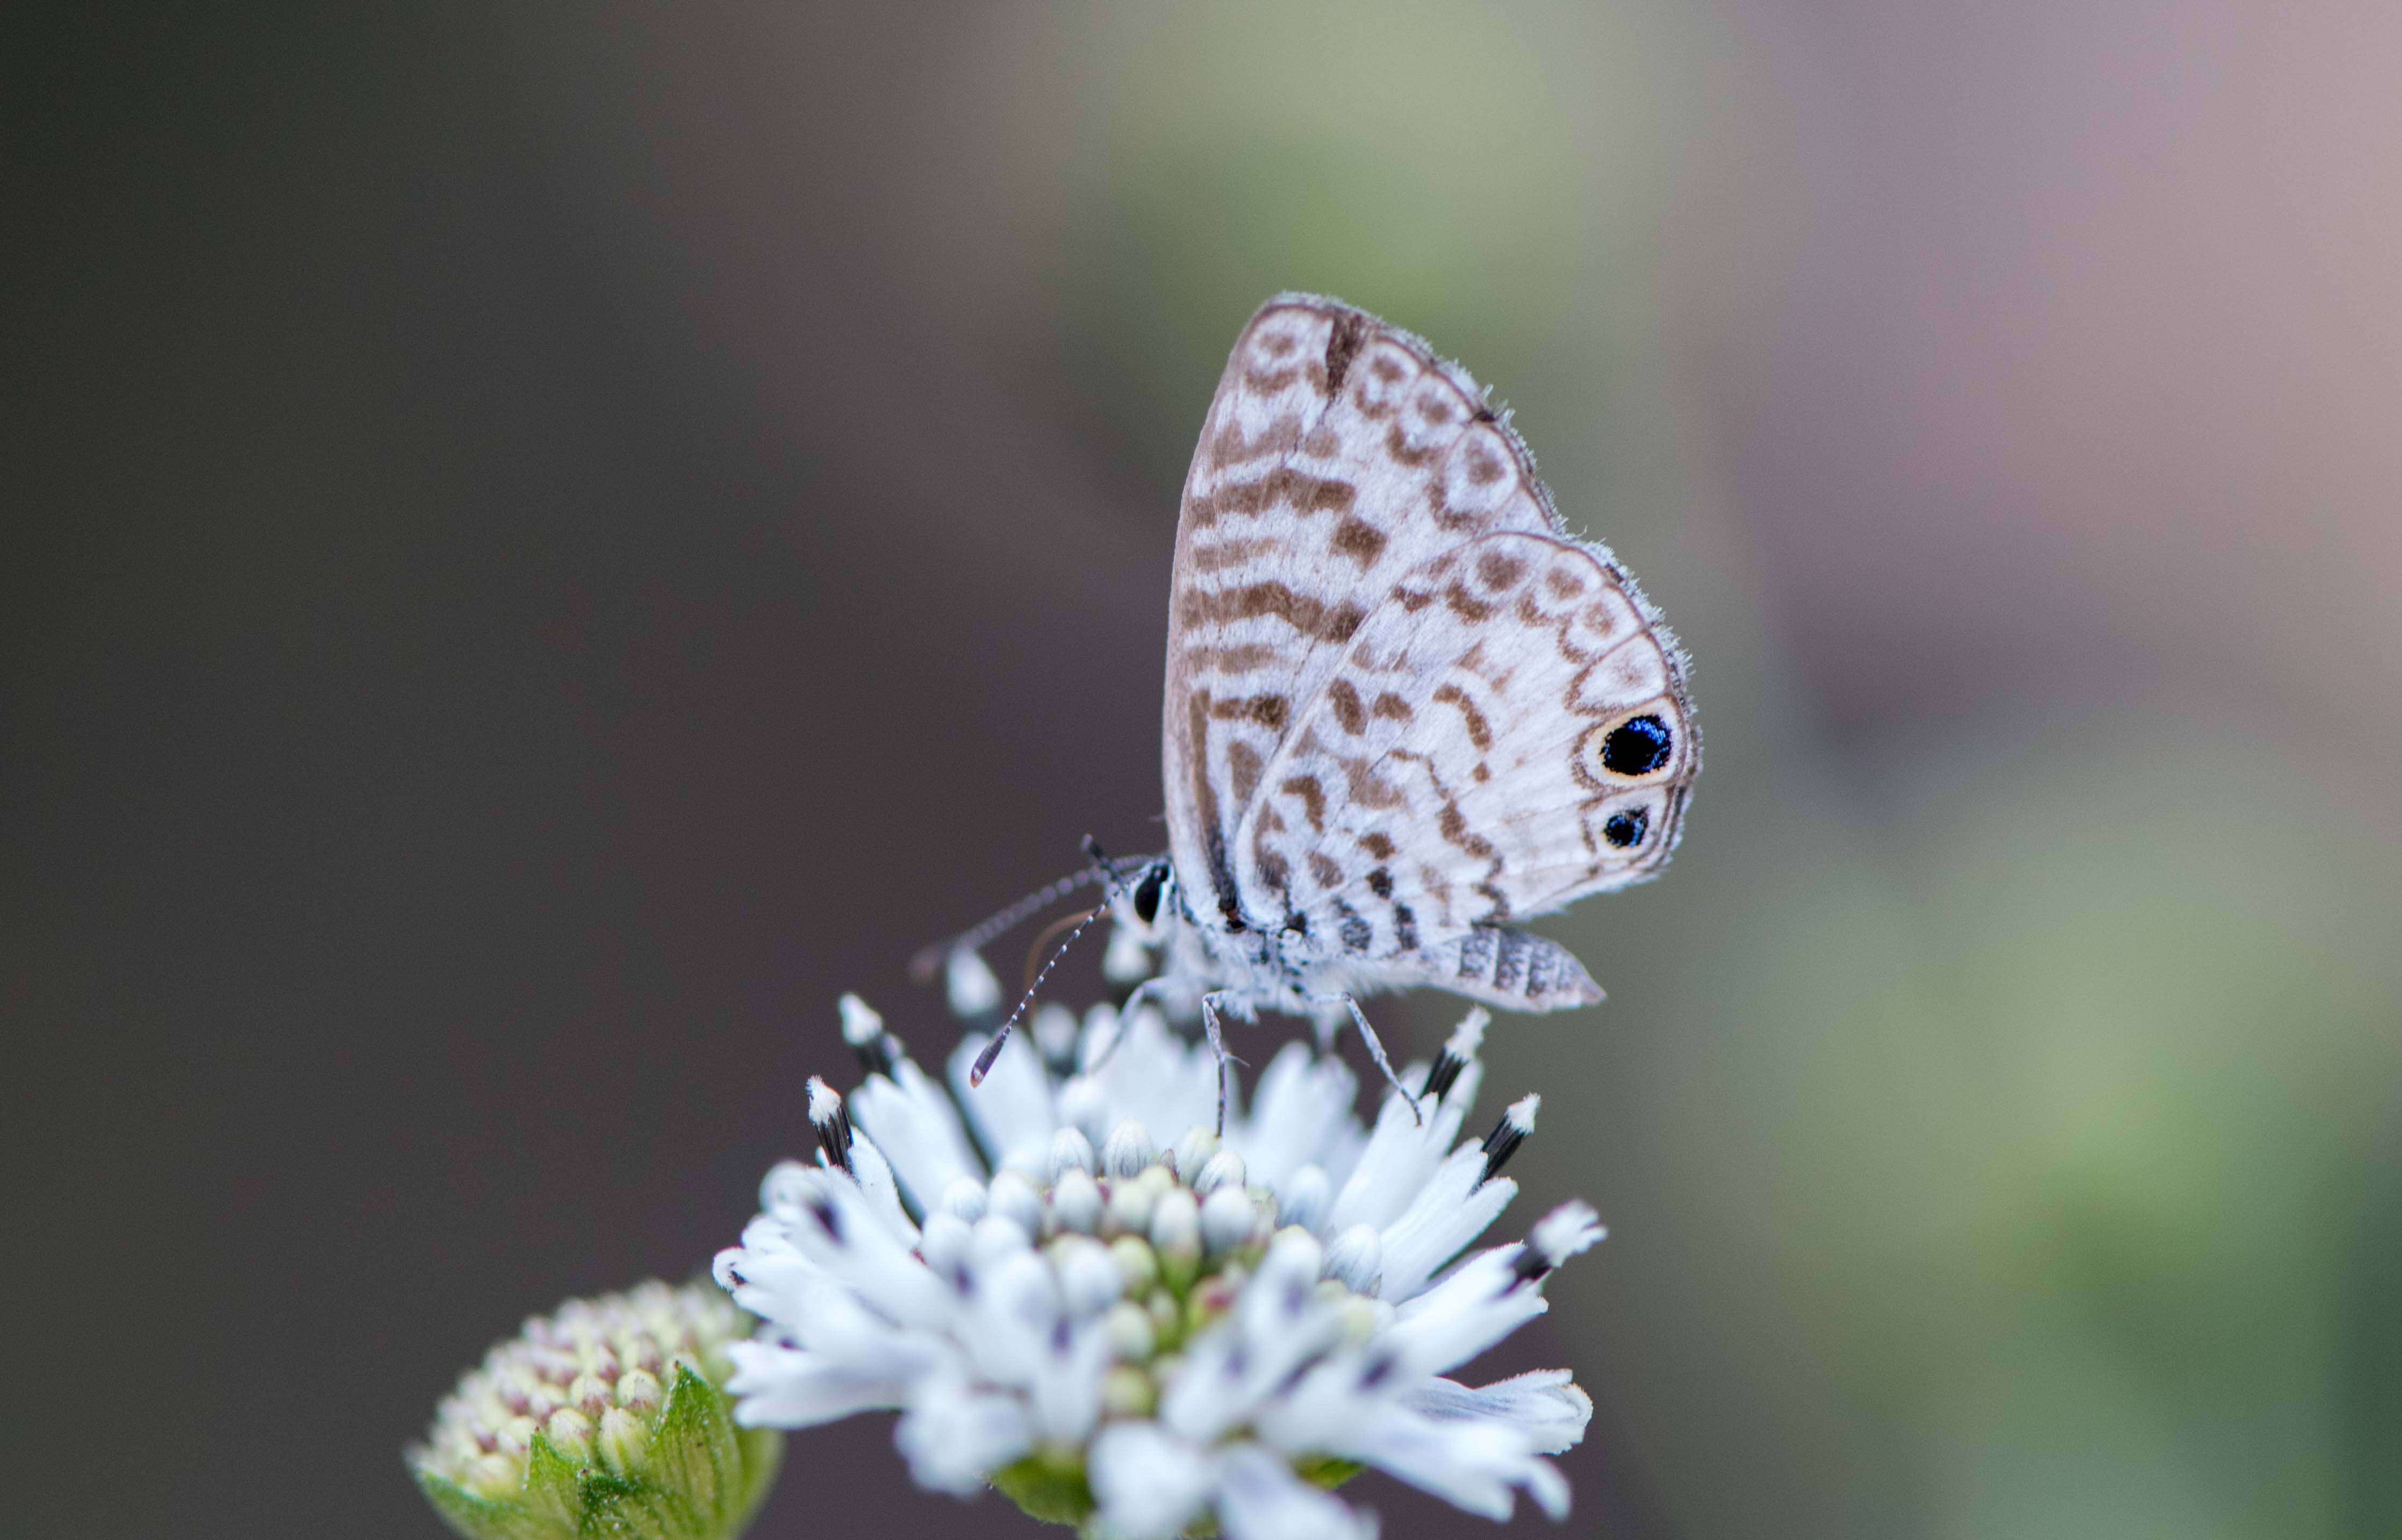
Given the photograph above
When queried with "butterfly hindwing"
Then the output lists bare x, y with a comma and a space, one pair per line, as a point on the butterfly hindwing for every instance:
1505, 734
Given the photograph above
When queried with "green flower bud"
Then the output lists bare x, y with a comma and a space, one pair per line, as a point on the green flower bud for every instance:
607, 1418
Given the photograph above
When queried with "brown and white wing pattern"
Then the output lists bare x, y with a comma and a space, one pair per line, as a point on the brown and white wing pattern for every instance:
1506, 733
1339, 453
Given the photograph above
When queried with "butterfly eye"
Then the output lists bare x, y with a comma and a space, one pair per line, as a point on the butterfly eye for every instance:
1147, 894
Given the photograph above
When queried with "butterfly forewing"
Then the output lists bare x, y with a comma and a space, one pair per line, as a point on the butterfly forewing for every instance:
1338, 454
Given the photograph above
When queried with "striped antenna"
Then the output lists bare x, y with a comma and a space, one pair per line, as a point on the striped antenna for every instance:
1107, 875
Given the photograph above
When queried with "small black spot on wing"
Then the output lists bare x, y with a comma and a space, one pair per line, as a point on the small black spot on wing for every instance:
1637, 746
1355, 931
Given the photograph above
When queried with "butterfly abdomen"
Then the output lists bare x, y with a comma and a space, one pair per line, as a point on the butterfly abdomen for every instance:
1508, 968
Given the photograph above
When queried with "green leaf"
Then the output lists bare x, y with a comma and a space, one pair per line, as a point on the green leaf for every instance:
552, 1493
693, 1451
480, 1517
763, 1451
619, 1508
1325, 1470
1049, 1487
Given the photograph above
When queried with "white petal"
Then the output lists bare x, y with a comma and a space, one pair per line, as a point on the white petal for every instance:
1260, 1498
1012, 1110
1010, 1313
780, 1387
1542, 1404
1403, 1154
954, 1435
1472, 1463
1357, 1259
765, 1274
1466, 1044
1085, 1106
1567, 1230
1449, 1213
1328, 1405
829, 1221
1278, 1322
1101, 1025
1065, 1394
1481, 1302
1154, 1077
1054, 1029
1147, 1482
1089, 1279
874, 1174
1281, 1293
1302, 1103
918, 1130
1128, 961
813, 1310
969, 981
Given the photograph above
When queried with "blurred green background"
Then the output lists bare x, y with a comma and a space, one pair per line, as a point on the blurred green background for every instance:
549, 542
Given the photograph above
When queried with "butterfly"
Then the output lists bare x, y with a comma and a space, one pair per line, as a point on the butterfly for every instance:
1405, 707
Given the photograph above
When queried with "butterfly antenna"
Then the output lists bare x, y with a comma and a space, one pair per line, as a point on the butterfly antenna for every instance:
1101, 872
928, 959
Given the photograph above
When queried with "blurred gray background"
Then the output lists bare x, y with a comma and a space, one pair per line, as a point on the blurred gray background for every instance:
547, 542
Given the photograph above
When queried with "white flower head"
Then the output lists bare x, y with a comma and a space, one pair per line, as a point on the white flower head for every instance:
1071, 1288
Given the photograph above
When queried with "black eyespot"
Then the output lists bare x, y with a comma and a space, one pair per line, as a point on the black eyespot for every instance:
1147, 892
1636, 746
1622, 829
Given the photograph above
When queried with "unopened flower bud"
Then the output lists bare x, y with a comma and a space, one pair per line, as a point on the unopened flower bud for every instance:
1128, 1151
1226, 1219
1076, 1202
1176, 1235
1138, 1265
1307, 1198
607, 1418
1193, 1149
622, 1439
1224, 1168
1129, 1208
1070, 1151
1128, 1392
1131, 1337
638, 1392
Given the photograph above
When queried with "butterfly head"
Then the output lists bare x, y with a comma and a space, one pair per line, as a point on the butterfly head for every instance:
1148, 903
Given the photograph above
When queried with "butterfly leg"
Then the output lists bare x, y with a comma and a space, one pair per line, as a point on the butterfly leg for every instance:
1217, 1046
1376, 1049
1126, 1014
